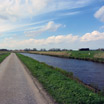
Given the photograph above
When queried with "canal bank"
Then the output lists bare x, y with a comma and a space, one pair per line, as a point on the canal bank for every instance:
95, 56
62, 88
91, 73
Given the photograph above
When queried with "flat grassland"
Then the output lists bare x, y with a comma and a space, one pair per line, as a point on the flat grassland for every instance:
97, 56
60, 84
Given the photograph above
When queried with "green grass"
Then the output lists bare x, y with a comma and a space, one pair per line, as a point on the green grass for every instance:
63, 89
83, 55
3, 56
86, 55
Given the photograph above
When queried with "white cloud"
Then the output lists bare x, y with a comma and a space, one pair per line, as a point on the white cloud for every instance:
53, 40
67, 4
18, 9
69, 13
6, 27
95, 35
100, 14
13, 12
61, 41
51, 26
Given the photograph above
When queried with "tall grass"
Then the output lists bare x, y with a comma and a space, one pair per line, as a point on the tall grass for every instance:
52, 53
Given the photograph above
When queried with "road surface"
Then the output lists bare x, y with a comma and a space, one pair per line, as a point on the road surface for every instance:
17, 86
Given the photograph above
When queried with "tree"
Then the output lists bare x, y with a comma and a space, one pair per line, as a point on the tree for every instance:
34, 49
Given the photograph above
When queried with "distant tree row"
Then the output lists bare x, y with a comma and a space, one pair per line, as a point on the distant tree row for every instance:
4, 50
54, 49
43, 49
100, 49
58, 49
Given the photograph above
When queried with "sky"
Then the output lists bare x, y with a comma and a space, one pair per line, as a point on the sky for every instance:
69, 24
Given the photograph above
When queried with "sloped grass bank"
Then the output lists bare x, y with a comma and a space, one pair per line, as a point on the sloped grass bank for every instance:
3, 56
63, 89
87, 55
96, 56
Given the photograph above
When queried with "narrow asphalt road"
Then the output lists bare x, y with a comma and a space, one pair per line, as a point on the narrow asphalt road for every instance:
16, 85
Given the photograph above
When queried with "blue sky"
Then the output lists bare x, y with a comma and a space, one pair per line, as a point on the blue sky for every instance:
70, 24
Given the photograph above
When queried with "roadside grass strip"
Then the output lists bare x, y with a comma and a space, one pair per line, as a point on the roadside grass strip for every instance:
3, 56
62, 88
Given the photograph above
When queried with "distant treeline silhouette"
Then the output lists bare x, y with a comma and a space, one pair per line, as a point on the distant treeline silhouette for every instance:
4, 50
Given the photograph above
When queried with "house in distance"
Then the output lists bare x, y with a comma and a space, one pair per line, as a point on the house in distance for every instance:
84, 49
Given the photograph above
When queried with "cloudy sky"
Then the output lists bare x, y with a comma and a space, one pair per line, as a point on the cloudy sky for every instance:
70, 24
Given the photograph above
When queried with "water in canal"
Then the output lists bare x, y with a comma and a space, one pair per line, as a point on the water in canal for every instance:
87, 71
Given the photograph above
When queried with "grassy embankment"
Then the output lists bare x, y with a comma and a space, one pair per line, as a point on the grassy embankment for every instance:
3, 56
60, 84
97, 56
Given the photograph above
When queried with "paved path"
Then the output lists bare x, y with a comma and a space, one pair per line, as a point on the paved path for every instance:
16, 85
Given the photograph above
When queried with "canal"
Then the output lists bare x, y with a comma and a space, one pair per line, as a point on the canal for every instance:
87, 71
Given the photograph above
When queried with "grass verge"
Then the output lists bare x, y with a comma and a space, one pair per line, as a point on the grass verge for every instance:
3, 56
62, 88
